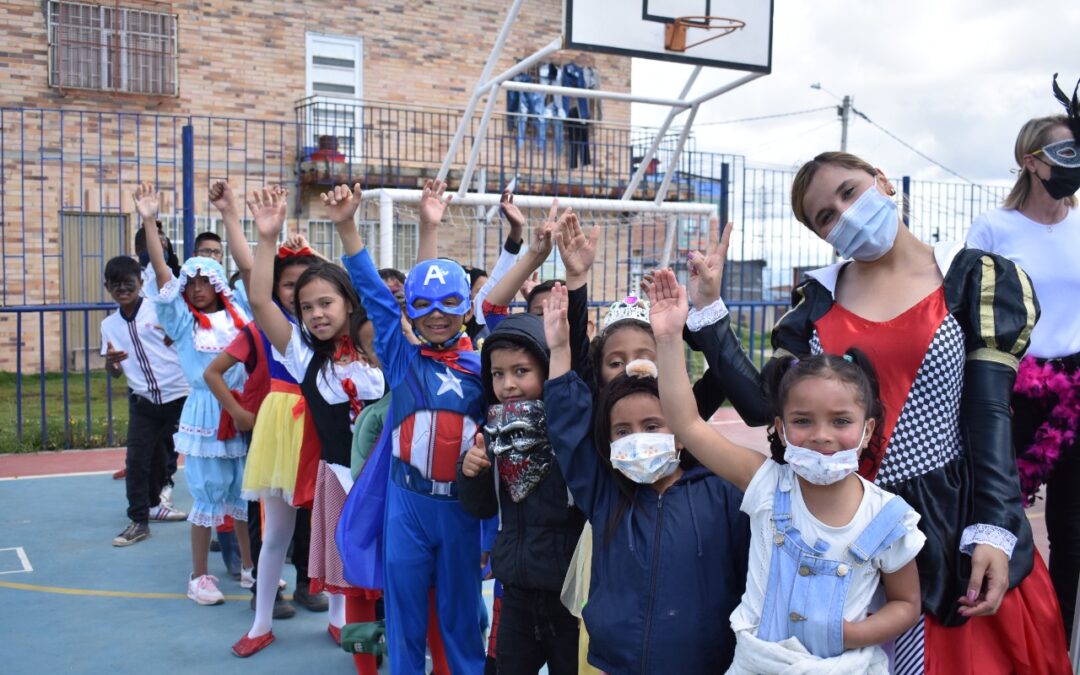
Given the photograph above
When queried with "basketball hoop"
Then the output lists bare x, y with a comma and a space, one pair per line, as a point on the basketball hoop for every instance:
675, 32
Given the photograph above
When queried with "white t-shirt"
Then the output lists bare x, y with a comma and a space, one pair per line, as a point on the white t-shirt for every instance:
758, 504
152, 366
1051, 257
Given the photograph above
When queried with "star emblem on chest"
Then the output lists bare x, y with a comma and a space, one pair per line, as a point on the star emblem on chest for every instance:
449, 382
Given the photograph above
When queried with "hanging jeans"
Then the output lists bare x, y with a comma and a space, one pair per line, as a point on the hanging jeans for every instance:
806, 592
577, 134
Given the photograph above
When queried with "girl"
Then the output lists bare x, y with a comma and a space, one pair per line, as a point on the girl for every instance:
1038, 228
336, 377
202, 315
835, 534
944, 328
669, 556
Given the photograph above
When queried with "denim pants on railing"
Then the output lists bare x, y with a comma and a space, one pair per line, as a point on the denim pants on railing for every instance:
806, 592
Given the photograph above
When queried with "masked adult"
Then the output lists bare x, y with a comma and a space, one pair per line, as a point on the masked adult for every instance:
1038, 228
945, 327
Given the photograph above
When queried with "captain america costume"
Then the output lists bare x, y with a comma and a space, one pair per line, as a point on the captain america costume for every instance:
428, 540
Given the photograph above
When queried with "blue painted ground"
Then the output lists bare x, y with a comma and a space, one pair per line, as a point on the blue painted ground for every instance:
65, 526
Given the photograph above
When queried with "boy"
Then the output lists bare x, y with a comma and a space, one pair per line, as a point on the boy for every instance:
539, 523
134, 345
208, 245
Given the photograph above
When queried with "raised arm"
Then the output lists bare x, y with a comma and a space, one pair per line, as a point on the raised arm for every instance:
148, 205
540, 247
557, 331
223, 199
341, 204
667, 315
578, 252
432, 206
268, 208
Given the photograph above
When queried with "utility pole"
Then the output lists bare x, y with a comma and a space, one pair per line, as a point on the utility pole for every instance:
844, 111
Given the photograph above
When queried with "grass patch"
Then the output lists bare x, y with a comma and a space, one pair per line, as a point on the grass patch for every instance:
101, 430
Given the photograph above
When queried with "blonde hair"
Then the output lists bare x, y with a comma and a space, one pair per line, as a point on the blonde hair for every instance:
1034, 135
806, 174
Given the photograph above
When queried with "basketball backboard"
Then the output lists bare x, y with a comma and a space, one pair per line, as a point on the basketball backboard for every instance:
634, 28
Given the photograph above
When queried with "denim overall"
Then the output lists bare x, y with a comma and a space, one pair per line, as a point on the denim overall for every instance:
806, 591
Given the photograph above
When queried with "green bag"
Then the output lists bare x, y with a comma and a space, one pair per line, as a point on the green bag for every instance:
368, 637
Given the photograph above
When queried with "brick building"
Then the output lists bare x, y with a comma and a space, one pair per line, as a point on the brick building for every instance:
96, 97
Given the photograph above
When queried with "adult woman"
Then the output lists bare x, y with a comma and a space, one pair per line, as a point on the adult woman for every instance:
944, 328
1038, 227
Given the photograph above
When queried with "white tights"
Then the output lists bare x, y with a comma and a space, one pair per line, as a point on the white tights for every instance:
279, 521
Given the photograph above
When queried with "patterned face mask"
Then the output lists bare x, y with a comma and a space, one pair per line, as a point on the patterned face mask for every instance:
646, 457
517, 436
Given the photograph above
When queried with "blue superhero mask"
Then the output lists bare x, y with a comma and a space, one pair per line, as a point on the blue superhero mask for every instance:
437, 281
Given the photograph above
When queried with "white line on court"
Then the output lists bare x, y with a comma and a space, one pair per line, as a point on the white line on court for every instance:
26, 567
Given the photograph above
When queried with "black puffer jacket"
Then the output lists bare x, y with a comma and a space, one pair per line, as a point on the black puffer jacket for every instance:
537, 535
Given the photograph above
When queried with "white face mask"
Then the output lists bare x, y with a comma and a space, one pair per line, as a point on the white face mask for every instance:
822, 469
867, 229
645, 458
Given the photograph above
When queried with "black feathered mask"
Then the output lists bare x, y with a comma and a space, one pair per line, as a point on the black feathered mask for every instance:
1072, 107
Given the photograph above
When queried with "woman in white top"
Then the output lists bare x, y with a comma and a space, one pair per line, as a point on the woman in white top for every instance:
1038, 228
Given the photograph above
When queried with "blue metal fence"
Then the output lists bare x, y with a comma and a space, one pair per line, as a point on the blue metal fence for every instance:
64, 208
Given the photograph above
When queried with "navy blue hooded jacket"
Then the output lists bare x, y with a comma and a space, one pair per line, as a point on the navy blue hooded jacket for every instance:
664, 583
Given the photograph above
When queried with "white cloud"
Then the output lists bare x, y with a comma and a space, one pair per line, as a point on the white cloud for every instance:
954, 79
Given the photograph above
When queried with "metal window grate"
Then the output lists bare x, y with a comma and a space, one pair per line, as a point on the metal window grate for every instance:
113, 48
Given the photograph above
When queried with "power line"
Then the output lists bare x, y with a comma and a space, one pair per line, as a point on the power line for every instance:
766, 117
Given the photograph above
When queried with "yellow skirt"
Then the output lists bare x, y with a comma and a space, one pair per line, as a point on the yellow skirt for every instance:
274, 454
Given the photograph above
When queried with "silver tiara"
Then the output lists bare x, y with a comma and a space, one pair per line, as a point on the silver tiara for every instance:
630, 308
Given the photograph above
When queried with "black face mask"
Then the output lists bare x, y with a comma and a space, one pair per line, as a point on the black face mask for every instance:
1063, 182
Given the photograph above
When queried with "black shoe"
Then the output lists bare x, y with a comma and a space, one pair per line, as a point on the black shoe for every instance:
215, 546
132, 534
313, 603
282, 608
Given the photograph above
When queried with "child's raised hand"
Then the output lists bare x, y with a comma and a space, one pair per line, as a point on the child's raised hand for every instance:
432, 202
476, 461
528, 285
147, 202
221, 196
341, 203
576, 250
668, 307
556, 327
707, 271
268, 208
512, 214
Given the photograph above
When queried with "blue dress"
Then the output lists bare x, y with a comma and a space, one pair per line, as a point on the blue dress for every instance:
214, 469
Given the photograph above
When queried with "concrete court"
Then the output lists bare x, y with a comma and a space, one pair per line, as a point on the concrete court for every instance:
88, 607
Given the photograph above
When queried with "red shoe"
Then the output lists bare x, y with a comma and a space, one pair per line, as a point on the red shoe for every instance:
335, 633
120, 475
246, 646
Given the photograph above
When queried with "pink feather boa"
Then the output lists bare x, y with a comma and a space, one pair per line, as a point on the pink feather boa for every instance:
1057, 434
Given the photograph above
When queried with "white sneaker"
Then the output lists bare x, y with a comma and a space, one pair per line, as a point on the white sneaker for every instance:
166, 496
247, 577
204, 591
165, 512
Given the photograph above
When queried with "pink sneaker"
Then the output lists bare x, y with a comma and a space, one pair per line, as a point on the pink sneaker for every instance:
204, 591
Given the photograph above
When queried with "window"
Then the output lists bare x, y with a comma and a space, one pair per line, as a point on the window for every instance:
117, 49
334, 73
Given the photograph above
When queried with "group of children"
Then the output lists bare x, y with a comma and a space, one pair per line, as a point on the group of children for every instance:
576, 470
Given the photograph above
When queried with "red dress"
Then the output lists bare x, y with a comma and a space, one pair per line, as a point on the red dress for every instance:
919, 357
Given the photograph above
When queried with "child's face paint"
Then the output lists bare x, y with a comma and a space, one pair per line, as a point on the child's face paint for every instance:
286, 285
125, 292
626, 343
323, 309
201, 294
516, 375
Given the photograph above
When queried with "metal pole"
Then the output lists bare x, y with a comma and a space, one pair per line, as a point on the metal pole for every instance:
725, 178
674, 163
523, 65
672, 114
845, 117
905, 200
594, 93
386, 229
470, 109
188, 196
478, 140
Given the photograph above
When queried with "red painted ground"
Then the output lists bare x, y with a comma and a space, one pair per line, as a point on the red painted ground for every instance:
90, 461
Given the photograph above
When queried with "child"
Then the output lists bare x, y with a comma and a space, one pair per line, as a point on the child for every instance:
156, 394
435, 413
836, 535
202, 315
669, 552
337, 378
539, 525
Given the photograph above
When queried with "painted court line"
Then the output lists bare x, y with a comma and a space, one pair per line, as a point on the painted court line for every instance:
22, 559
105, 594
57, 475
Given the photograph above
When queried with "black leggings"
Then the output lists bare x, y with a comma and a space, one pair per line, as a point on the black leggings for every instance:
534, 629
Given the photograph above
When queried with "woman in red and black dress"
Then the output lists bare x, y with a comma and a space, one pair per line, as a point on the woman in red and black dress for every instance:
945, 327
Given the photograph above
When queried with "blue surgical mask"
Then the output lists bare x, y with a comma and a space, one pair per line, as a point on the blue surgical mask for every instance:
867, 229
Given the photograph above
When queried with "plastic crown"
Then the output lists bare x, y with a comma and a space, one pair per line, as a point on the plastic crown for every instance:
630, 308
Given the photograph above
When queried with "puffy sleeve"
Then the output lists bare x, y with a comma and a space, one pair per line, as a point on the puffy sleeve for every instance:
173, 313
995, 304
